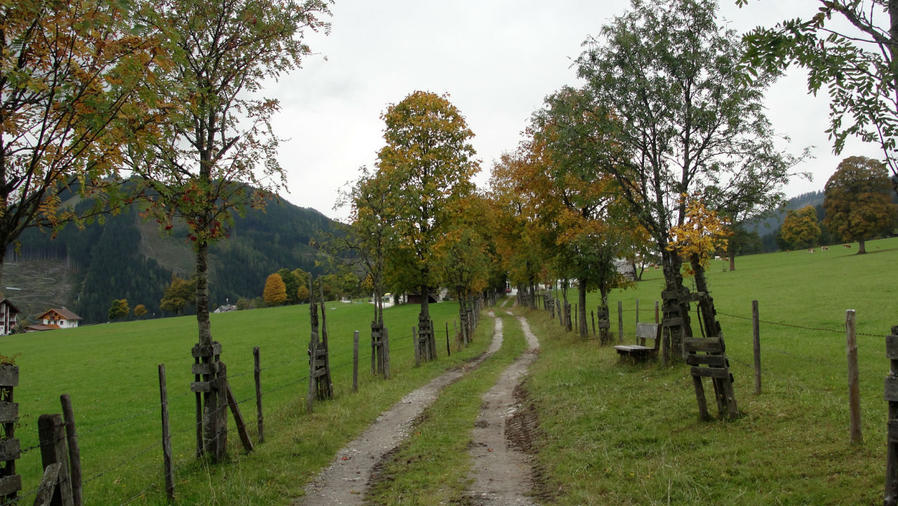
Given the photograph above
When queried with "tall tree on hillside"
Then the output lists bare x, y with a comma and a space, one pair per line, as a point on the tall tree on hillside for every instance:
579, 154
69, 74
851, 47
687, 117
428, 162
215, 151
857, 201
371, 230
800, 228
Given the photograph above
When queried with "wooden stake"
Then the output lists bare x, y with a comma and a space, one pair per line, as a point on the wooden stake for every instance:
637, 310
417, 347
166, 437
448, 350
355, 361
238, 419
656, 312
74, 452
257, 376
51, 430
756, 339
386, 347
854, 393
620, 322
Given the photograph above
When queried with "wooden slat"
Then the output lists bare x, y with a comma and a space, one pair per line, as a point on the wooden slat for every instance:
9, 375
205, 350
647, 331
202, 369
710, 344
319, 372
201, 386
9, 412
9, 449
892, 347
711, 372
709, 360
672, 322
49, 482
10, 484
626, 348
891, 391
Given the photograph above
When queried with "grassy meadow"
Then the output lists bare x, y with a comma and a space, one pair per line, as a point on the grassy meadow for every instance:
616, 433
110, 372
610, 432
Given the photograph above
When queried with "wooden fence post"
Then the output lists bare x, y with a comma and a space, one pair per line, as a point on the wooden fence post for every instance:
448, 350
592, 317
854, 393
891, 396
10, 482
51, 430
756, 339
355, 361
417, 350
386, 347
166, 437
656, 313
637, 310
257, 376
620, 322
68, 416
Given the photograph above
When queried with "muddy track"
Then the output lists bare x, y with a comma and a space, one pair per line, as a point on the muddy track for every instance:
345, 480
502, 439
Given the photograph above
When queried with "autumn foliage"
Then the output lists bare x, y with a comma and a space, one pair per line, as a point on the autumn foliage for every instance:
275, 292
857, 201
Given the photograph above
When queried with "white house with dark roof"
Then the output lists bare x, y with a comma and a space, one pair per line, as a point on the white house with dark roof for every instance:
60, 318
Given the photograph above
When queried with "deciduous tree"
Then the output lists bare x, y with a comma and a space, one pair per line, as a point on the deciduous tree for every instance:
857, 201
800, 229
69, 75
275, 292
850, 47
119, 309
140, 310
686, 116
179, 294
428, 162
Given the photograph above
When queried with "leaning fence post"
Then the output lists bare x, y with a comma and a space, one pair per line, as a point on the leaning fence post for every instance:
355, 361
166, 437
620, 322
51, 431
854, 392
74, 452
257, 376
756, 339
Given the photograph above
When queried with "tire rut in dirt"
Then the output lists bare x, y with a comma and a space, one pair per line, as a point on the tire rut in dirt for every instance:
523, 433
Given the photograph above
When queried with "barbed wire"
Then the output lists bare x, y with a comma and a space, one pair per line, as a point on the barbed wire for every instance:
797, 326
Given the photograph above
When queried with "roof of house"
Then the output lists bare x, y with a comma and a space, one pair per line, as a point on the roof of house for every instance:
10, 304
63, 312
39, 327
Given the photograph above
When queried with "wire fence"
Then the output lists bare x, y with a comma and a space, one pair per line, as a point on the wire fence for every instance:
138, 461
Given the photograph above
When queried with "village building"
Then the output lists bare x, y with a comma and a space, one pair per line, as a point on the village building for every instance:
57, 319
8, 313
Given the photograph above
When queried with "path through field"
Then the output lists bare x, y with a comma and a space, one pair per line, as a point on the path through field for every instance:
345, 480
502, 471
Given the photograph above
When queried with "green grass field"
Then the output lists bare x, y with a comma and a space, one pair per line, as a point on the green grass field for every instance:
612, 433
110, 372
624, 434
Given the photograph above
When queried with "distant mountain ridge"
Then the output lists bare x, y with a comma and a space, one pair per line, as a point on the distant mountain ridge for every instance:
129, 257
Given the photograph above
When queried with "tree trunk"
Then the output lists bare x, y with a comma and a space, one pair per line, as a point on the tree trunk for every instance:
581, 309
202, 293
673, 282
604, 337
705, 302
861, 246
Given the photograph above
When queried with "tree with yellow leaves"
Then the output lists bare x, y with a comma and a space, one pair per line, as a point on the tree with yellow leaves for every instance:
275, 292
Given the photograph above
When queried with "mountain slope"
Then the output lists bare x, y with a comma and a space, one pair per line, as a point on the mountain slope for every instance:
128, 257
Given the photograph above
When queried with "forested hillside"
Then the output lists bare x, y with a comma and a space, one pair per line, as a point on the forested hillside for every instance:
128, 257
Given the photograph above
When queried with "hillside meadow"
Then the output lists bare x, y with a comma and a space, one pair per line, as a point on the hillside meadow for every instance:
617, 433
110, 372
610, 432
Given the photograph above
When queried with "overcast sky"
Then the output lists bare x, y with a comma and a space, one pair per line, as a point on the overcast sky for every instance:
497, 60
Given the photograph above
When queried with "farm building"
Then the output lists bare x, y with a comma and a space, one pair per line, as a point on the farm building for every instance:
60, 318
8, 314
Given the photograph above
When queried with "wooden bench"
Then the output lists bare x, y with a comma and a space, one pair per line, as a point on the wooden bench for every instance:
640, 351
